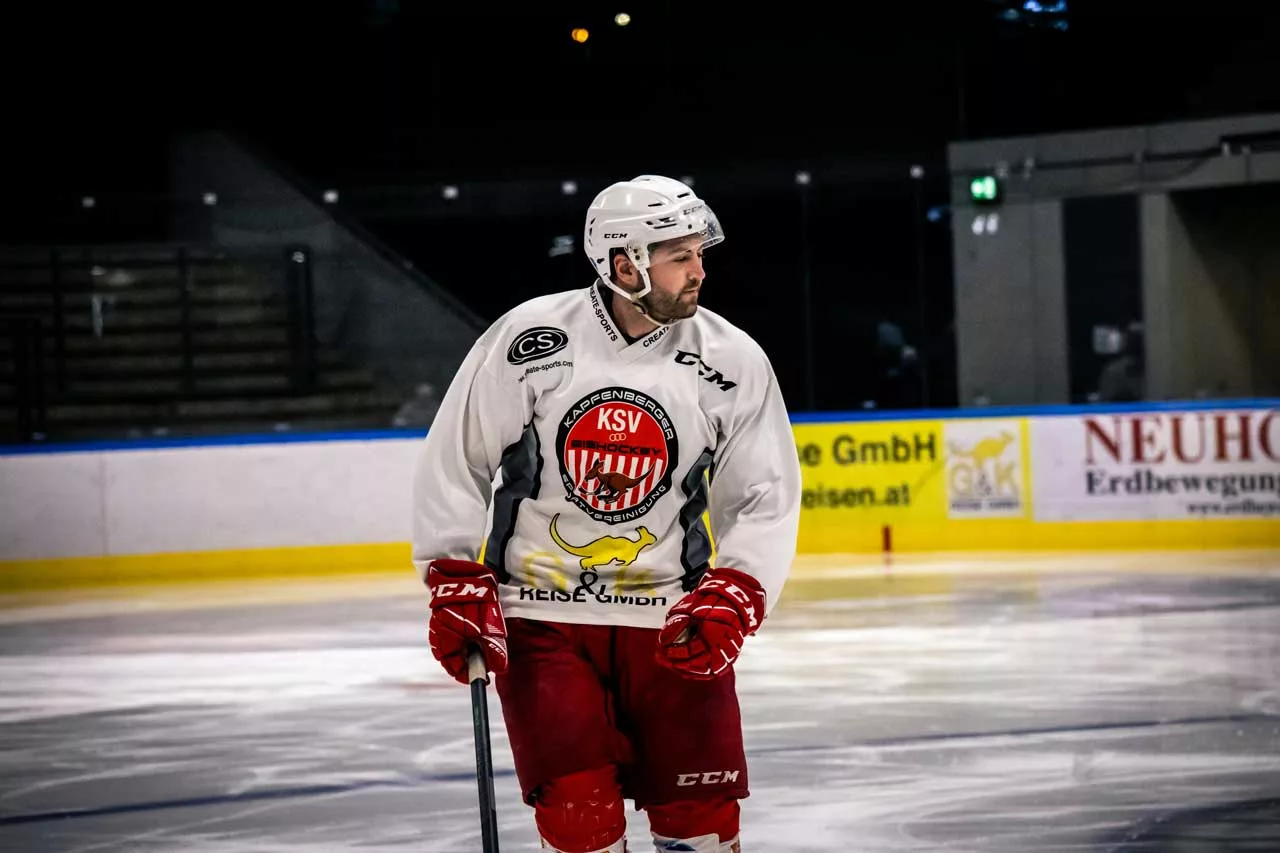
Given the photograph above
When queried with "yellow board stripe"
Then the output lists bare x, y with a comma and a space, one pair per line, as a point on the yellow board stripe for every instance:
183, 567
823, 537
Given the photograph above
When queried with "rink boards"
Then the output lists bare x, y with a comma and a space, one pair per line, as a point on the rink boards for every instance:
1155, 476
1097, 478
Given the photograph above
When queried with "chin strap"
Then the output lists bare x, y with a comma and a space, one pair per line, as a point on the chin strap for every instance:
635, 300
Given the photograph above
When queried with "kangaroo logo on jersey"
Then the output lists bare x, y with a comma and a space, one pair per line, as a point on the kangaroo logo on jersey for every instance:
538, 342
606, 549
616, 448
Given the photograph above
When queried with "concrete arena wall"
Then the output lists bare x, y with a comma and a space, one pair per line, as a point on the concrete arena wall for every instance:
1157, 476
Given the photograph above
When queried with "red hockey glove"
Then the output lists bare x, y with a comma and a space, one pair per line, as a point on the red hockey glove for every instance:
705, 629
465, 613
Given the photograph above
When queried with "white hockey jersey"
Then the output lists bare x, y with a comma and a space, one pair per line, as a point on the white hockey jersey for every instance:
584, 469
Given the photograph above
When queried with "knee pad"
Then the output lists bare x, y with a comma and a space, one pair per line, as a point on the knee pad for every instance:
696, 825
582, 813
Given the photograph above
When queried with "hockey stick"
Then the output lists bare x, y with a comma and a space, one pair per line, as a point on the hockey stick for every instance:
479, 677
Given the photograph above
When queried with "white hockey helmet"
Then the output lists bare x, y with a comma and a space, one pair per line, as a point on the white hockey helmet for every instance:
634, 215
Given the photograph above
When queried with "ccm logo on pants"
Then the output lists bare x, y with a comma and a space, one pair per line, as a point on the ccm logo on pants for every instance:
715, 777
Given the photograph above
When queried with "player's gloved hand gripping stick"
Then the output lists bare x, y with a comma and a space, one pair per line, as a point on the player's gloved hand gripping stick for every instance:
469, 637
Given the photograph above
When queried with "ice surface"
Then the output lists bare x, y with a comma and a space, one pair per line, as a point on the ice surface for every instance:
1002, 703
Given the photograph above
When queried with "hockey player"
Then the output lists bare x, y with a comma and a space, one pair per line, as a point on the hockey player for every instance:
606, 505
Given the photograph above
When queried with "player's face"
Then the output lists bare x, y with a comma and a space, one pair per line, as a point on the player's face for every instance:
676, 273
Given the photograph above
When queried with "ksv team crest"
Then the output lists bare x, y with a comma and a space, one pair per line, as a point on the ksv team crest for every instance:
616, 448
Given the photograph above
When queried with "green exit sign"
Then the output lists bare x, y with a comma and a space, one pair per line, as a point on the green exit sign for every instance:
984, 189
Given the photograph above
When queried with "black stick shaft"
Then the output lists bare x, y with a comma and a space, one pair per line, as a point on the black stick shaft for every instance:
484, 755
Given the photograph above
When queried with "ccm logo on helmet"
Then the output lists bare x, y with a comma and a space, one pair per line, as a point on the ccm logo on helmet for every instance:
538, 342
615, 236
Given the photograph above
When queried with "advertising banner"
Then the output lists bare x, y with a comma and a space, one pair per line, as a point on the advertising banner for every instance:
987, 468
923, 470
884, 469
1156, 465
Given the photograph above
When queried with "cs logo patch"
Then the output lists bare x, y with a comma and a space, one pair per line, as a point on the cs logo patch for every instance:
535, 343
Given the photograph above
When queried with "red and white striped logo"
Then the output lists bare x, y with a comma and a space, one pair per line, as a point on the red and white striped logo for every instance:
616, 448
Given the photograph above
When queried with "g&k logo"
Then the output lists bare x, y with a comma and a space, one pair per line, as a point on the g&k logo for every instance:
984, 469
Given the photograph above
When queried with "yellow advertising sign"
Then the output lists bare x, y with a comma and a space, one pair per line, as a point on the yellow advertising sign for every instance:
868, 485
887, 468
988, 468
859, 476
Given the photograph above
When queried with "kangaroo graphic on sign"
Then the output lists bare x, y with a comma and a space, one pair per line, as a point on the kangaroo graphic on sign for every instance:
606, 549
989, 449
610, 485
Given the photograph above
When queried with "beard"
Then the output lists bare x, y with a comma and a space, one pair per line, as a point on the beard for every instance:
665, 307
